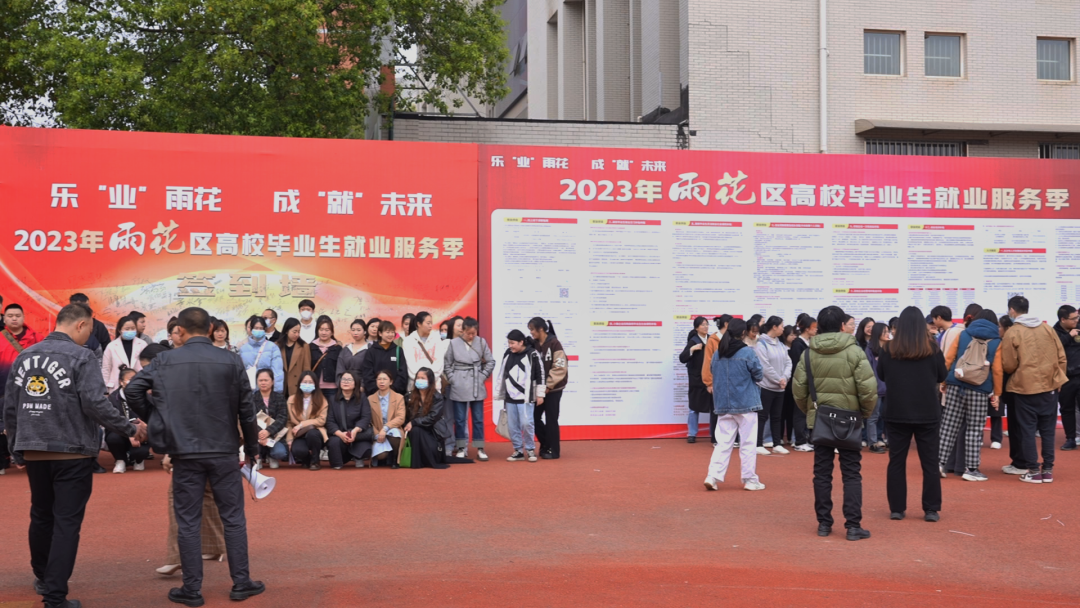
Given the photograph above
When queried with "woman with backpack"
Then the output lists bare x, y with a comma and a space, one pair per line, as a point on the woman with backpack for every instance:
974, 379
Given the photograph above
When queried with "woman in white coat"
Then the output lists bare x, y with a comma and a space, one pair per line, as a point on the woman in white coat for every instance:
121, 352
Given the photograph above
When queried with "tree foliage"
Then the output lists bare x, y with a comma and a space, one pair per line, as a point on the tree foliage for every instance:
303, 68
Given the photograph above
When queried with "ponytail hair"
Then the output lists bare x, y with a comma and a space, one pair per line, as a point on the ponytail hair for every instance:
541, 323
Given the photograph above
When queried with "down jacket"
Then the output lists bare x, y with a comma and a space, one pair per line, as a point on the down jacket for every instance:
842, 376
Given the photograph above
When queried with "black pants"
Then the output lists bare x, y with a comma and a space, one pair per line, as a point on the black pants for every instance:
851, 472
712, 426
338, 451
189, 478
121, 449
305, 450
1037, 413
59, 490
927, 441
1068, 399
772, 409
794, 420
5, 455
1016, 438
996, 429
547, 432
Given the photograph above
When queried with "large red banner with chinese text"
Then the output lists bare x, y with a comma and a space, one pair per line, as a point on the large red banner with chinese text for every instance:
157, 222
618, 249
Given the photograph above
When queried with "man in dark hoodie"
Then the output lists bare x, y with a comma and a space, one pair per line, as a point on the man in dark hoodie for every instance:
1070, 340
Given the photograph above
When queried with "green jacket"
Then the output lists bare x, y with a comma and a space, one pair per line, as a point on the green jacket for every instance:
842, 375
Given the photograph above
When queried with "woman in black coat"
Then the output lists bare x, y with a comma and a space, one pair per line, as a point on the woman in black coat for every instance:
348, 422
426, 428
693, 355
385, 355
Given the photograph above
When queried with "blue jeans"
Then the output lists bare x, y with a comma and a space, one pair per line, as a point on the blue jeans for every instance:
692, 424
519, 417
875, 426
279, 452
461, 430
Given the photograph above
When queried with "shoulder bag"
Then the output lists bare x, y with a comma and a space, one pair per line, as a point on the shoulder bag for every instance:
835, 427
253, 371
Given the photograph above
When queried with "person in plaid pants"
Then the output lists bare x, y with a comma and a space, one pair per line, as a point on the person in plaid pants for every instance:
967, 402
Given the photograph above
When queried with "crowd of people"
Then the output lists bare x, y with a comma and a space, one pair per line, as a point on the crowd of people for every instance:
362, 401
912, 377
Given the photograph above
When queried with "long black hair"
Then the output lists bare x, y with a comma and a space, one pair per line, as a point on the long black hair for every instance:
860, 332
875, 338
283, 339
736, 332
541, 323
697, 323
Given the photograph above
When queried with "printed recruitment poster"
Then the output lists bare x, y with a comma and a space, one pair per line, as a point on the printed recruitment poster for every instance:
621, 249
158, 222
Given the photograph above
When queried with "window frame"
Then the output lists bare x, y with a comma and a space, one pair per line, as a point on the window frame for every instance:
963, 54
961, 147
1070, 55
902, 54
1048, 149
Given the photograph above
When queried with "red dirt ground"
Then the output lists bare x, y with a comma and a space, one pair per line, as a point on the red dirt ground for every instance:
613, 523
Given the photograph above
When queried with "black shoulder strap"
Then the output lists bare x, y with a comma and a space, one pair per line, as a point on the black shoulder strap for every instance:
810, 378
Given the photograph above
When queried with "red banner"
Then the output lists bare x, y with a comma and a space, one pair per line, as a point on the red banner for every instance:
157, 222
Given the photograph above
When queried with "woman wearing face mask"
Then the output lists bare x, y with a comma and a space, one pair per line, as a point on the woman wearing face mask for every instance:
444, 330
776, 367
424, 425
387, 420
219, 333
275, 415
385, 355
123, 351
348, 424
469, 363
258, 352
126, 450
352, 354
295, 355
324, 356
307, 422
806, 328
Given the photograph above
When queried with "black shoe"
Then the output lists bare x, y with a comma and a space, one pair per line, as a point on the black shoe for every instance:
395, 466
242, 592
39, 586
857, 534
66, 604
824, 530
1069, 445
315, 466
932, 516
546, 456
179, 596
98, 468
691, 440
897, 515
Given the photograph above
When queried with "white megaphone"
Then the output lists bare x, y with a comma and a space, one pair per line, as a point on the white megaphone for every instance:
262, 484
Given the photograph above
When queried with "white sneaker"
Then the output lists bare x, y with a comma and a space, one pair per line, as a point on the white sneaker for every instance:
710, 484
780, 450
754, 486
324, 454
481, 455
140, 466
764, 451
864, 444
995, 445
941, 469
768, 444
3, 471
736, 444
119, 467
273, 463
1006, 433
1011, 470
531, 454
461, 453
806, 447
516, 457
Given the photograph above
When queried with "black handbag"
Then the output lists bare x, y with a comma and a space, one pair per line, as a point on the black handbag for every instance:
834, 427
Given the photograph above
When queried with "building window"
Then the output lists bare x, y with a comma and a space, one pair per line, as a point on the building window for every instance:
881, 53
916, 148
1068, 151
943, 55
1054, 59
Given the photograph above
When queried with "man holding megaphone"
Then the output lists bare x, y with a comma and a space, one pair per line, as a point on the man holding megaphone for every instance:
200, 400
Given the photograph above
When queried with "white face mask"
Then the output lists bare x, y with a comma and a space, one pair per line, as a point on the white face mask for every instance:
305, 315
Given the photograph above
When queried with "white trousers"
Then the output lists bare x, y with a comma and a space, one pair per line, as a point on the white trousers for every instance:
726, 427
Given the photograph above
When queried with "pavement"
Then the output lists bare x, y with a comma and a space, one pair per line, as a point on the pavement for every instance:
612, 523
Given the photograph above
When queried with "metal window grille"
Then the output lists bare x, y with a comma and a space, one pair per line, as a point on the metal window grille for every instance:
881, 53
1066, 151
916, 148
1053, 59
943, 56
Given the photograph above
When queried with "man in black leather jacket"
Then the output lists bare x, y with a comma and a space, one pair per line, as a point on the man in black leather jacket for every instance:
194, 399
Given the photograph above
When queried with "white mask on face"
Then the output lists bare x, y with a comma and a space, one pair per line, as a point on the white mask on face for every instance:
305, 315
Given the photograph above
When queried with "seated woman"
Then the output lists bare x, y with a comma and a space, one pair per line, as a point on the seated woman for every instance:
349, 424
307, 422
126, 450
271, 411
425, 415
387, 419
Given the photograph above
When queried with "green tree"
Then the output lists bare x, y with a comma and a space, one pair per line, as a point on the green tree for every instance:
300, 68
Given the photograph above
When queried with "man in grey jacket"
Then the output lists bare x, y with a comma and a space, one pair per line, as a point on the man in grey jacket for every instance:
54, 401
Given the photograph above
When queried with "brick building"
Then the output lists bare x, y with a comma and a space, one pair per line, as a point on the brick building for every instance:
994, 78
